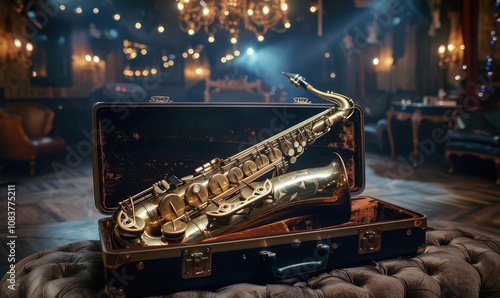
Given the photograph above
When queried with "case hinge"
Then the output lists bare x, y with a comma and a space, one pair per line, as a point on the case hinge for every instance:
196, 262
369, 240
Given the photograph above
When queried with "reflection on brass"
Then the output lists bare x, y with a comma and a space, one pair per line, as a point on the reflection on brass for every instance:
196, 194
235, 175
249, 167
156, 215
174, 231
218, 184
171, 206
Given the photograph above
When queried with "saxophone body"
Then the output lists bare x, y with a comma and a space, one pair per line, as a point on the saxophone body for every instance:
224, 192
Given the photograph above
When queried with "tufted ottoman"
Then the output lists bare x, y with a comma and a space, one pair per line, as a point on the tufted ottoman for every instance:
455, 264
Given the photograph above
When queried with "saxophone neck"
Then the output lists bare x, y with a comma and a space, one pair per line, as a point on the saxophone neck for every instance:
345, 103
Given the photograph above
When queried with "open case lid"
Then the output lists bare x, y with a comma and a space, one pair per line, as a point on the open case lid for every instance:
138, 144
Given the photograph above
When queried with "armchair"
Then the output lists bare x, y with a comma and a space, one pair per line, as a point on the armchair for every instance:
26, 133
477, 133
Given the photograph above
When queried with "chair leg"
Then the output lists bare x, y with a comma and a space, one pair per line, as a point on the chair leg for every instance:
32, 167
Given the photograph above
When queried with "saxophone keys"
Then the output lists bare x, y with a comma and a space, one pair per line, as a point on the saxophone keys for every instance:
274, 154
235, 175
287, 148
131, 226
161, 187
218, 184
302, 138
174, 231
196, 194
249, 167
310, 136
171, 206
261, 161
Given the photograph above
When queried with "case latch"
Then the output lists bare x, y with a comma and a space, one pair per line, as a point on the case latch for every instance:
196, 263
301, 100
369, 240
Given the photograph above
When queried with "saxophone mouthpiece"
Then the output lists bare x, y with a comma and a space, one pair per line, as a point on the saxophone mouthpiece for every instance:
296, 80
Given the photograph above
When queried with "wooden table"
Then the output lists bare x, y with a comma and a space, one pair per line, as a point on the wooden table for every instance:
416, 112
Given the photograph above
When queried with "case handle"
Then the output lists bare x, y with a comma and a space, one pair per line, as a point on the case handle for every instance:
299, 268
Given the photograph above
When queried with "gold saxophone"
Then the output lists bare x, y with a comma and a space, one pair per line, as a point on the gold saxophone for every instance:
208, 202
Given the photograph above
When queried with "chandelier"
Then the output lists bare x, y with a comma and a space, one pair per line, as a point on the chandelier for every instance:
257, 16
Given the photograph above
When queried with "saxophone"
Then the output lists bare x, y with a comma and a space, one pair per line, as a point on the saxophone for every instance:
205, 203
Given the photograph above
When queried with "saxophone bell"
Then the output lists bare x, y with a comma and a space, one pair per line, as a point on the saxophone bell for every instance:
284, 192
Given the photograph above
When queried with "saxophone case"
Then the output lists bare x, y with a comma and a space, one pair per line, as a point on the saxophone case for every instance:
143, 148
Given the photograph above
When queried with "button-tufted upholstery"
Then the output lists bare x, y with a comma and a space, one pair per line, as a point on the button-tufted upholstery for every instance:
455, 264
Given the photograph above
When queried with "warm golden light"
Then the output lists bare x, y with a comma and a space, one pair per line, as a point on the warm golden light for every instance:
116, 17
333, 75
145, 72
375, 61
96, 59
154, 71
258, 17
33, 74
196, 55
137, 72
190, 51
260, 38
223, 60
166, 65
17, 43
185, 55
62, 7
78, 10
138, 25
237, 53
462, 47
441, 49
451, 47
198, 71
161, 29
88, 58
327, 55
144, 51
95, 10
313, 9
165, 58
234, 40
29, 47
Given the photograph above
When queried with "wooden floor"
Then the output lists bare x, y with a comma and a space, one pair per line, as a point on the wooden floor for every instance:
53, 209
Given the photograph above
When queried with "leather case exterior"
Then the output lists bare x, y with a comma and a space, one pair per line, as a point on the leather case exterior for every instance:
136, 144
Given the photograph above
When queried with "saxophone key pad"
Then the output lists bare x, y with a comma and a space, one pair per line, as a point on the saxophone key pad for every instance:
218, 184
171, 206
249, 167
261, 161
196, 194
235, 175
